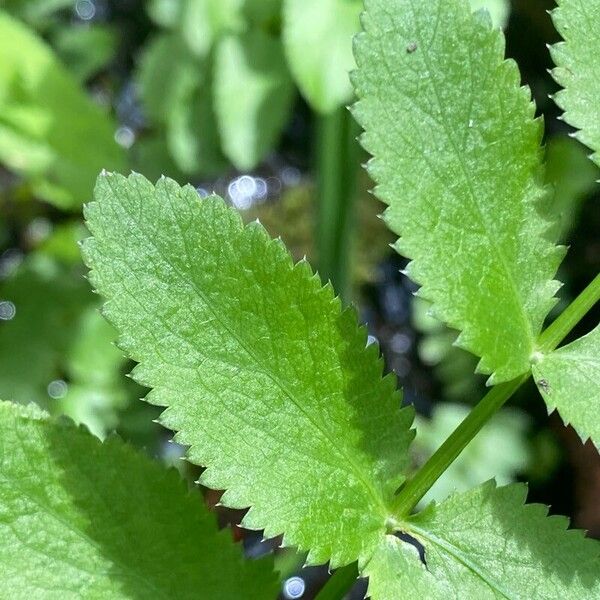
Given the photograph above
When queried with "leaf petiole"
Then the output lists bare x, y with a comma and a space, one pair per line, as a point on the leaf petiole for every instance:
449, 451
570, 317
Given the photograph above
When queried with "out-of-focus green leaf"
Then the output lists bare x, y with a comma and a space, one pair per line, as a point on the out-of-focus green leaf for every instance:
93, 367
82, 519
572, 177
164, 64
48, 302
44, 117
253, 96
85, 50
569, 381
192, 132
317, 36
499, 10
62, 244
150, 156
261, 11
578, 68
36, 13
452, 366
203, 21
58, 338
176, 91
499, 451
165, 13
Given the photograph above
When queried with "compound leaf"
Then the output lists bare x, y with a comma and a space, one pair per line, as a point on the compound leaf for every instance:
486, 544
457, 159
265, 377
578, 68
79, 518
317, 35
569, 381
253, 96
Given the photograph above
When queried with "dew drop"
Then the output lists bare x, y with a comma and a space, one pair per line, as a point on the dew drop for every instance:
85, 9
294, 588
125, 137
7, 310
57, 389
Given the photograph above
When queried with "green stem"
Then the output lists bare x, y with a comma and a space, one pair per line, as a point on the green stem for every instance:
339, 584
449, 451
570, 317
337, 166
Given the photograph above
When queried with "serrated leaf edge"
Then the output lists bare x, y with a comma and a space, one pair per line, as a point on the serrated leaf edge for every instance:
251, 520
551, 286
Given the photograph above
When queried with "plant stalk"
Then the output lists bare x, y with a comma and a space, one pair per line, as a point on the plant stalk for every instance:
337, 154
449, 451
570, 317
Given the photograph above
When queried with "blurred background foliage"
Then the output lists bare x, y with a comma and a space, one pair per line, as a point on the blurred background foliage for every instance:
248, 98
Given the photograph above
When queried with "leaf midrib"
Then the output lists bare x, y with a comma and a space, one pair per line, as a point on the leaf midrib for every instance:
358, 472
461, 557
472, 196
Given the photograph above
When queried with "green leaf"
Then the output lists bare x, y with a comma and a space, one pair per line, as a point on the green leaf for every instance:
446, 122
264, 376
37, 13
192, 132
253, 96
83, 519
47, 301
203, 21
165, 62
93, 366
165, 13
499, 10
578, 69
573, 177
176, 91
569, 381
263, 12
44, 115
151, 157
56, 335
486, 544
84, 49
317, 36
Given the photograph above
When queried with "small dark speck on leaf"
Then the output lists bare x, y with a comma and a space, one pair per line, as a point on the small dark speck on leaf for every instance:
411, 47
544, 385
